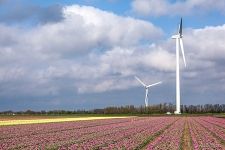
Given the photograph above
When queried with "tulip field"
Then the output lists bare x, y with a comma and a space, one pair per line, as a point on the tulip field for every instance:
153, 133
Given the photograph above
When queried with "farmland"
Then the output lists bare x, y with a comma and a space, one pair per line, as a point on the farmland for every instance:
200, 132
47, 119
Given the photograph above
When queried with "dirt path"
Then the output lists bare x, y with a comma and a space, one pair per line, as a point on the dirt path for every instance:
186, 139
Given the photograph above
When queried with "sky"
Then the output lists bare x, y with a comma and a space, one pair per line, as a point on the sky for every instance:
84, 54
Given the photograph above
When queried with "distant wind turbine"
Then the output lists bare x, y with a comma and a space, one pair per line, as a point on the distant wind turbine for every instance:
179, 44
146, 89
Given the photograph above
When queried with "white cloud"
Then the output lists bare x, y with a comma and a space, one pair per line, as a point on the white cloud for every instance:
150, 7
166, 7
204, 49
207, 43
86, 28
115, 69
77, 49
94, 51
160, 59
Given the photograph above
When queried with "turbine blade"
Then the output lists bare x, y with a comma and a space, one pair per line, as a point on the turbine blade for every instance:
154, 84
180, 27
139, 80
182, 50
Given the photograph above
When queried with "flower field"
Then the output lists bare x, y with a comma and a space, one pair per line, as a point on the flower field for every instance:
49, 120
160, 133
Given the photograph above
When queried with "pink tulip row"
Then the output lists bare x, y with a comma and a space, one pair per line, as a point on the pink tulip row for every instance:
42, 134
170, 138
129, 138
128, 133
216, 121
59, 134
9, 131
201, 137
217, 130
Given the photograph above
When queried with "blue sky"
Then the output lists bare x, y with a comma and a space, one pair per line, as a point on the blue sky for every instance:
84, 54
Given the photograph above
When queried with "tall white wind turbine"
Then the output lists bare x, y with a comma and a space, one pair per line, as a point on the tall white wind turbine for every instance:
146, 89
179, 45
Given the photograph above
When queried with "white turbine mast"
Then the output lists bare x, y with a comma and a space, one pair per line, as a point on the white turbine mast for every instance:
179, 45
146, 89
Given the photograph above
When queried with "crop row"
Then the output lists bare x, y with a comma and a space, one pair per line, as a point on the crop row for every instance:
170, 138
30, 129
203, 136
57, 134
127, 133
43, 134
129, 138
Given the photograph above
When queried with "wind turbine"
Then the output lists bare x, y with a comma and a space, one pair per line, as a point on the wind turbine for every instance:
179, 44
146, 89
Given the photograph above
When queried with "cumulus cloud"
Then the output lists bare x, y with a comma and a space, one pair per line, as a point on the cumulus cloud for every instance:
207, 42
108, 29
166, 7
95, 51
116, 68
204, 50
87, 28
76, 49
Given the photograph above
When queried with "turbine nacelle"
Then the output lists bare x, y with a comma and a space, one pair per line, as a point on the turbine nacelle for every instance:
178, 38
179, 31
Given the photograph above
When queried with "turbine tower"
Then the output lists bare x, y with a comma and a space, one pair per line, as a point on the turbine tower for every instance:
179, 45
146, 89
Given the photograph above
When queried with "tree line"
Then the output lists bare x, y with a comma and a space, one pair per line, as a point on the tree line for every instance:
131, 109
